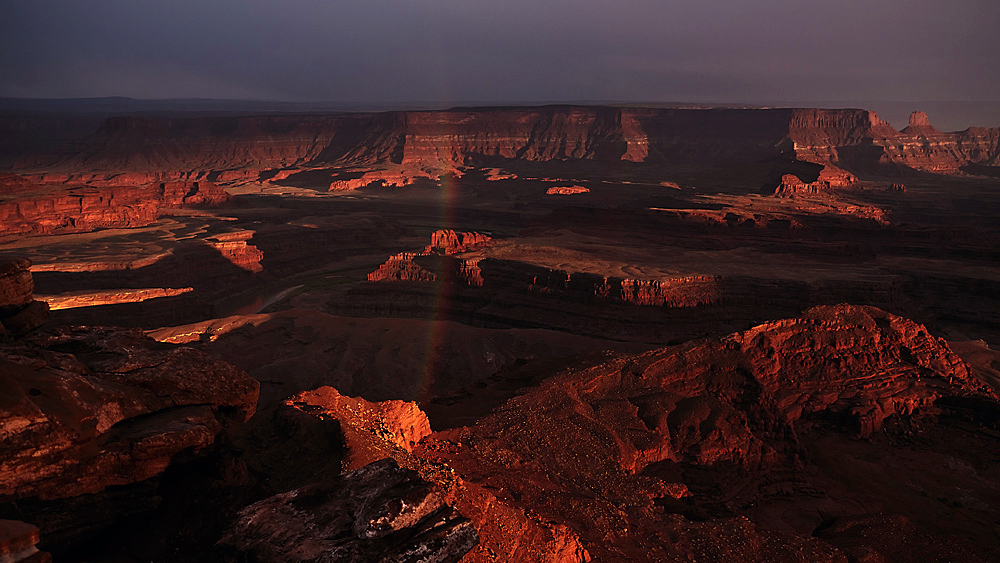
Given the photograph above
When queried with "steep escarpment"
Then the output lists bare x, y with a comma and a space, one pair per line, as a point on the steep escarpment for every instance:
354, 150
41, 209
192, 148
860, 141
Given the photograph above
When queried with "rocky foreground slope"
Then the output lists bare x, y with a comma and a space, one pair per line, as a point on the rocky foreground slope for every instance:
847, 434
836, 436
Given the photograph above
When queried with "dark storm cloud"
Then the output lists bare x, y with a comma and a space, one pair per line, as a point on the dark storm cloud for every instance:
486, 50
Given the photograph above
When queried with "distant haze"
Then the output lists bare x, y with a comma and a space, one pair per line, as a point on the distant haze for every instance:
442, 51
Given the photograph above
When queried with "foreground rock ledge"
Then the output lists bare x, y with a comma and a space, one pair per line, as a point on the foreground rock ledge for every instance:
84, 408
716, 450
378, 513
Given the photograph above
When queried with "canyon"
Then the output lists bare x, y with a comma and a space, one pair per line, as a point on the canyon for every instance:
540, 334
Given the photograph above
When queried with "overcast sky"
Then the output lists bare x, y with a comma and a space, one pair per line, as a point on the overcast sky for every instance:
369, 51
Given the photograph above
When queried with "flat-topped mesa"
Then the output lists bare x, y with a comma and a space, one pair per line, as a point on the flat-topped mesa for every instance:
394, 148
407, 266
194, 147
234, 247
58, 208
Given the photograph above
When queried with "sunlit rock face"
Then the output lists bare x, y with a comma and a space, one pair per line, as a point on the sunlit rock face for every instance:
672, 431
53, 207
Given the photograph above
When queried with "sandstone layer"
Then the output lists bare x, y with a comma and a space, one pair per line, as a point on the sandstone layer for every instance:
58, 208
88, 408
394, 147
19, 312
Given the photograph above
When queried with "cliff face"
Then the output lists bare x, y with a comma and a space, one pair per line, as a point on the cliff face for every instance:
46, 209
435, 142
192, 147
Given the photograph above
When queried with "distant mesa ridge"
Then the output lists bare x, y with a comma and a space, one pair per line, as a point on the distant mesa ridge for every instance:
443, 140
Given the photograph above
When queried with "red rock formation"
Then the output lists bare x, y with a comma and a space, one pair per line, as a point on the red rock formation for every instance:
404, 266
19, 312
192, 148
449, 242
372, 431
74, 209
394, 148
593, 459
16, 283
12, 184
378, 512
830, 180
505, 531
87, 408
401, 267
233, 246
567, 190
17, 543
77, 299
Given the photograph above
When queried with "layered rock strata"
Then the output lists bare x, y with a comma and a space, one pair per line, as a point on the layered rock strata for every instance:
394, 147
56, 208
435, 261
19, 311
88, 408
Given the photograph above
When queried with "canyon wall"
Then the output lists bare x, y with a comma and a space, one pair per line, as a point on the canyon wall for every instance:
35, 209
435, 142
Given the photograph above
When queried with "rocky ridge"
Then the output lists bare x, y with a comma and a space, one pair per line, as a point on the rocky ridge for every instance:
622, 458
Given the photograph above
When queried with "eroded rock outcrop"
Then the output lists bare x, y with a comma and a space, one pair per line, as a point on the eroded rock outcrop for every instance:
567, 190
87, 408
378, 512
661, 456
372, 431
235, 248
830, 180
437, 262
450, 242
56, 208
19, 311
17, 543
505, 531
